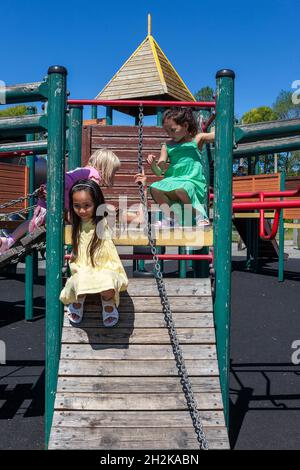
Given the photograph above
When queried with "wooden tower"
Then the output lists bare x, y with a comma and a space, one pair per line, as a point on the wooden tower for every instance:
147, 74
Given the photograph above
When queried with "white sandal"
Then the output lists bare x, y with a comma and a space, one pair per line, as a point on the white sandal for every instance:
71, 310
114, 314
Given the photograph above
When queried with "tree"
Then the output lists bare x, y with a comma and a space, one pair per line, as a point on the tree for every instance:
261, 114
204, 94
13, 111
284, 106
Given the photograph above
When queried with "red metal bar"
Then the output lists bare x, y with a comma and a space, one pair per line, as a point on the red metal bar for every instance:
17, 153
162, 257
206, 124
246, 206
134, 103
291, 193
169, 257
245, 195
263, 235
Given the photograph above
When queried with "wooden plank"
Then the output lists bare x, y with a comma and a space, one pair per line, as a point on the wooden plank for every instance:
148, 75
135, 401
133, 419
86, 144
147, 320
139, 438
128, 131
136, 368
135, 352
185, 287
148, 303
137, 336
142, 385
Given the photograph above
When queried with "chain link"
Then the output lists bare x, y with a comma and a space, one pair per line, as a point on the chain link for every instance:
12, 202
180, 363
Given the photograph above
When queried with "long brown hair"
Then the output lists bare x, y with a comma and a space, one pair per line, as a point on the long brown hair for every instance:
98, 199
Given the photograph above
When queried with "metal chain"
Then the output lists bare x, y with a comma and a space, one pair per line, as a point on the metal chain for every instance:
180, 363
18, 212
12, 202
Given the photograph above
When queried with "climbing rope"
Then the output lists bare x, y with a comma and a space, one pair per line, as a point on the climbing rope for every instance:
180, 363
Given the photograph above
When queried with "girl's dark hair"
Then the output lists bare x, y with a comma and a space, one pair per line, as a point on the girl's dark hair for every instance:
180, 116
97, 196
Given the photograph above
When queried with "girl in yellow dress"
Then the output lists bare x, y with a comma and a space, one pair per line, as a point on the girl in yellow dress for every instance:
95, 264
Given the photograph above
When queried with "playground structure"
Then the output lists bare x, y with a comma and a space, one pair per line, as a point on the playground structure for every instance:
55, 123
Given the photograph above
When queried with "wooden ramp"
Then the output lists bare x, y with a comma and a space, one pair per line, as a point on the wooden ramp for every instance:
119, 388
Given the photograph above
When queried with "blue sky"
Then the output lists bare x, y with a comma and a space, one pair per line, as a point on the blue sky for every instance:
259, 40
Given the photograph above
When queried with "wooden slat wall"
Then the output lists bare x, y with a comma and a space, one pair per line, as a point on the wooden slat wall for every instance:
269, 182
292, 182
253, 183
13, 184
123, 140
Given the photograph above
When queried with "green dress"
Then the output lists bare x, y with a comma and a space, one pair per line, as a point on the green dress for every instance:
185, 172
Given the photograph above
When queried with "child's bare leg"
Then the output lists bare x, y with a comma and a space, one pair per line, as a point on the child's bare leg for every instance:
108, 295
76, 305
163, 199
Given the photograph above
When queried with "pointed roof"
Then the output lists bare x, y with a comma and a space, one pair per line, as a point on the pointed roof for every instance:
147, 74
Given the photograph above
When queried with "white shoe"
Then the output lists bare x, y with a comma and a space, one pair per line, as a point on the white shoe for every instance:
202, 221
71, 310
114, 314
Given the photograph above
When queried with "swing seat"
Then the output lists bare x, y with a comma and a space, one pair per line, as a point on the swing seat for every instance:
182, 236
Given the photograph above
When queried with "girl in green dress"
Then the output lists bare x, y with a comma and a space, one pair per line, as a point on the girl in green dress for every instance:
184, 184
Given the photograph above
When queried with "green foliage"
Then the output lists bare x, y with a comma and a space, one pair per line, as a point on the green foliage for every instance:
13, 111
204, 94
284, 106
263, 113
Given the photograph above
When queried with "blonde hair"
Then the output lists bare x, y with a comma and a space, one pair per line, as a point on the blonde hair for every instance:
106, 162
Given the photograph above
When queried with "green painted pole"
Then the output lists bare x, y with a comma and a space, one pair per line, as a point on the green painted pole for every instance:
257, 166
109, 116
26, 93
94, 112
281, 234
75, 137
30, 259
37, 148
159, 116
182, 264
55, 207
223, 225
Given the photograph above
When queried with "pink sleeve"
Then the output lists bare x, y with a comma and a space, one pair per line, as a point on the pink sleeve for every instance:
94, 174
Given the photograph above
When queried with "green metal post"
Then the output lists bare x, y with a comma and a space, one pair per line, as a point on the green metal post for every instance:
223, 224
257, 166
109, 116
75, 137
160, 112
55, 208
94, 112
182, 264
281, 234
30, 259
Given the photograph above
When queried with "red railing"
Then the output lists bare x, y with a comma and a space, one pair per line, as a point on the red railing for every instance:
148, 103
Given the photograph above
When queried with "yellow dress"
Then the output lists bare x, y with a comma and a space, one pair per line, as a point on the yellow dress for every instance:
108, 272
